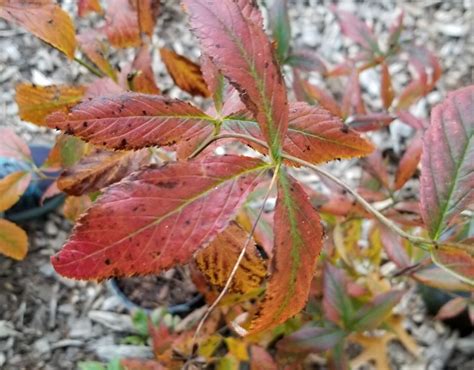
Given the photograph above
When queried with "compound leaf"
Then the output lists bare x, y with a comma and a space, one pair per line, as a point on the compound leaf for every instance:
447, 175
158, 217
43, 19
298, 241
133, 121
242, 52
13, 240
37, 102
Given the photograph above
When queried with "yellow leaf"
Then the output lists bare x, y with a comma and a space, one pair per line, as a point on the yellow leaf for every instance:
36, 102
237, 348
12, 187
13, 240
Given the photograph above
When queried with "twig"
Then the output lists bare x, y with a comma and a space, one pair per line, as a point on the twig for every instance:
239, 259
89, 67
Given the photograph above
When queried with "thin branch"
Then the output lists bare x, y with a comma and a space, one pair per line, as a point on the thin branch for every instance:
379, 216
239, 259
89, 67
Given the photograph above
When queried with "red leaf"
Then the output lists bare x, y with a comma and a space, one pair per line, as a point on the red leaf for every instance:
133, 121
447, 175
214, 80
317, 136
458, 259
306, 60
386, 88
260, 359
12, 146
356, 29
409, 162
323, 98
412, 121
452, 308
243, 53
85, 7
375, 165
250, 11
122, 24
140, 364
157, 218
298, 241
370, 121
103, 86
43, 19
393, 246
352, 102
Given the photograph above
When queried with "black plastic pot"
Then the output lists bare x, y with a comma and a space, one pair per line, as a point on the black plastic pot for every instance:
29, 206
182, 309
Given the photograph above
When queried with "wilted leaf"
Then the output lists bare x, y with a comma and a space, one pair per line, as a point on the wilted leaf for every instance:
281, 30
185, 73
217, 260
98, 170
88, 6
452, 308
142, 78
43, 19
157, 218
447, 175
13, 240
298, 241
457, 259
312, 339
242, 52
91, 43
133, 121
12, 146
409, 162
356, 29
37, 102
122, 24
12, 188
375, 350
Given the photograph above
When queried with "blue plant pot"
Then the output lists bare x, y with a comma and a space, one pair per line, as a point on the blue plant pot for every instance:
29, 206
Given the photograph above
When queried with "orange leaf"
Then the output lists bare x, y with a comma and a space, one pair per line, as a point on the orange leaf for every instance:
217, 261
98, 170
13, 240
452, 308
88, 6
142, 78
148, 11
185, 73
323, 98
386, 87
76, 206
45, 20
298, 242
409, 162
12, 187
93, 45
35, 103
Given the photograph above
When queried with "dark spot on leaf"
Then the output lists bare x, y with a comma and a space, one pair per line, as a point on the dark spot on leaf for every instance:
107, 261
85, 124
345, 129
167, 184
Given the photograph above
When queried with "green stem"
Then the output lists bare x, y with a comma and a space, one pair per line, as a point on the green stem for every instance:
89, 67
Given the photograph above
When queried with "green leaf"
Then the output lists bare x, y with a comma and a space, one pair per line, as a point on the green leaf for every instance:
281, 29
